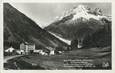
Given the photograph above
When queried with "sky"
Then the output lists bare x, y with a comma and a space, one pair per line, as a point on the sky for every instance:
45, 13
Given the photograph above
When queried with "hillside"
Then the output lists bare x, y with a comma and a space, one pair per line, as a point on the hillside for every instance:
81, 21
20, 28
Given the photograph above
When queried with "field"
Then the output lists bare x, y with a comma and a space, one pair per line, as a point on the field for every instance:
96, 58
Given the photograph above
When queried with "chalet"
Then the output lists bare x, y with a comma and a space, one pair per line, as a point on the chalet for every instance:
20, 52
11, 49
51, 50
27, 47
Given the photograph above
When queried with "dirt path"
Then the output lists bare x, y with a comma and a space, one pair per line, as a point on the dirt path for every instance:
10, 57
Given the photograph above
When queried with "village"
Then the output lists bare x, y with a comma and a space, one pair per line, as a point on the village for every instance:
30, 48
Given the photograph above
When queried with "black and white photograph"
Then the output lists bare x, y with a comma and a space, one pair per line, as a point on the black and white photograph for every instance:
57, 36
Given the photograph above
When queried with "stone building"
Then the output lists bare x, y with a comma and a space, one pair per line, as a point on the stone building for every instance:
27, 47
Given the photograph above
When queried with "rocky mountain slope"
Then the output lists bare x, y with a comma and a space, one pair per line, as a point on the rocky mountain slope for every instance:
82, 21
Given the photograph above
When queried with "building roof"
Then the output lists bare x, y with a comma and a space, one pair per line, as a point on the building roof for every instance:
28, 43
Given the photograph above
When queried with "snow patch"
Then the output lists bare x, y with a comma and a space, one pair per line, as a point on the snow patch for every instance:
62, 39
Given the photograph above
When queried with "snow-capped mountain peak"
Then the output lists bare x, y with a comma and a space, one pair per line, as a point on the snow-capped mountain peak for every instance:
80, 9
83, 12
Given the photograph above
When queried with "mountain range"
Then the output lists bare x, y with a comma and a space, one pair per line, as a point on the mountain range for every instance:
82, 22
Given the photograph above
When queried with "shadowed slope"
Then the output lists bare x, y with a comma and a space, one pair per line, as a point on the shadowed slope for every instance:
19, 28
